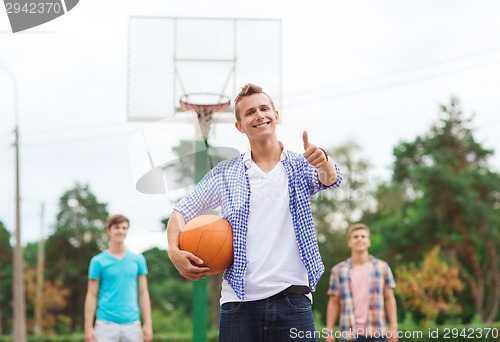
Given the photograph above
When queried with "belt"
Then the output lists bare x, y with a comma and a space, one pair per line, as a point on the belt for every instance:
295, 289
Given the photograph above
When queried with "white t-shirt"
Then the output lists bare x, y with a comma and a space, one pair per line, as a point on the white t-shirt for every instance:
273, 259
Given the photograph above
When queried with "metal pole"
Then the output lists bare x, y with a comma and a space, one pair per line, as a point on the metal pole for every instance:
19, 294
200, 287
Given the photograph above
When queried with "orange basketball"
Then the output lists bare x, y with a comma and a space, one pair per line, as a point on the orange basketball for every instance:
210, 238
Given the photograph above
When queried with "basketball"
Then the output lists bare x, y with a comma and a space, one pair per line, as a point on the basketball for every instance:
210, 238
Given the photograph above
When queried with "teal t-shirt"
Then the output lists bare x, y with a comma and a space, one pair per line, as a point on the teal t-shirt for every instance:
117, 300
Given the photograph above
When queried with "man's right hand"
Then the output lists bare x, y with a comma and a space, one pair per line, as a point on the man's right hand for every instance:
186, 263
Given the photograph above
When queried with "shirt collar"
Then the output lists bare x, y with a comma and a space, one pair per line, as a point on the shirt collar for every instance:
247, 158
370, 257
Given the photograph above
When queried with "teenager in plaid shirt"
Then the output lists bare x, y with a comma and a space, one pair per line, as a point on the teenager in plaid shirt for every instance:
265, 195
362, 293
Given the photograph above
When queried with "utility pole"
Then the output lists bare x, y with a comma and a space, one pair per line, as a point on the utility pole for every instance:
39, 275
19, 294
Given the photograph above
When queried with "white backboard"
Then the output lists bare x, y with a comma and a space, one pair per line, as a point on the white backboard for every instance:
171, 57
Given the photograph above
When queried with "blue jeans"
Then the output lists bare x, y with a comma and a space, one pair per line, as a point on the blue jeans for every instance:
280, 318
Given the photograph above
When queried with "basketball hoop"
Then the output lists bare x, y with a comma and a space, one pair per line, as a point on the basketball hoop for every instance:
205, 104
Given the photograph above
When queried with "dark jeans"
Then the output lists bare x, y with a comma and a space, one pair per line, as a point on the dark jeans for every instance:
280, 318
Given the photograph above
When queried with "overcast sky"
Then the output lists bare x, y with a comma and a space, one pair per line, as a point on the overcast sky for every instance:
370, 71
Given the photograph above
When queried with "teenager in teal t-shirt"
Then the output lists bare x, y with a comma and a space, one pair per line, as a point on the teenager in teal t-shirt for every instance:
117, 291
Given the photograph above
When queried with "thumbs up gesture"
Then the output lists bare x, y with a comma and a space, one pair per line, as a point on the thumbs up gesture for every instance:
314, 155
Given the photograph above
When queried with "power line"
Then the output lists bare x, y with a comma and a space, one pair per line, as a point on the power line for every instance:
369, 89
6, 135
399, 71
80, 139
115, 125
5, 146
86, 137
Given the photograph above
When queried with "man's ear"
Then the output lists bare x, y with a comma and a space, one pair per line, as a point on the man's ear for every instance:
237, 124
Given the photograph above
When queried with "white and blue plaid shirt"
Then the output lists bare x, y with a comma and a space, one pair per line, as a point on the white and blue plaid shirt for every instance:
227, 185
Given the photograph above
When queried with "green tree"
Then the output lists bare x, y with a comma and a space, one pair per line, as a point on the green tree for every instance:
167, 288
390, 240
54, 302
452, 198
430, 287
5, 279
159, 265
79, 235
180, 174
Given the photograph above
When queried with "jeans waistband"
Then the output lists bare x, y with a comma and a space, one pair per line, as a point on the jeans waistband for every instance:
295, 289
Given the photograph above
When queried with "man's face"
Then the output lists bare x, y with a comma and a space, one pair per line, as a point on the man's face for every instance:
118, 232
359, 240
258, 117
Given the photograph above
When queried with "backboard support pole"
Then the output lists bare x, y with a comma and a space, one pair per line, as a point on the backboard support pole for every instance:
200, 287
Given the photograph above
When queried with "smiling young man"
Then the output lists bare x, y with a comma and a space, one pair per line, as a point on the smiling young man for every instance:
265, 195
362, 293
117, 291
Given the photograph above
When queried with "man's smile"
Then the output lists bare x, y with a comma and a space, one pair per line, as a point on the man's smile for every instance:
261, 125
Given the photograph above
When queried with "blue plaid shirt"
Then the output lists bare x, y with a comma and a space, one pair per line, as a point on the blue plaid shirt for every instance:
227, 185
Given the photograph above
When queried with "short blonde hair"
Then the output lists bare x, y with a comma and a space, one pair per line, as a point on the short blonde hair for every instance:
357, 226
247, 90
116, 219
